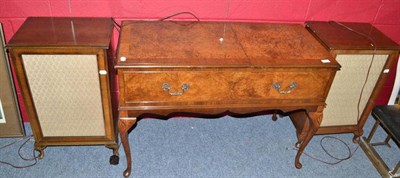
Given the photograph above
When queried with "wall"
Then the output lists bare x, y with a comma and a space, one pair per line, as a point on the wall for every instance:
384, 14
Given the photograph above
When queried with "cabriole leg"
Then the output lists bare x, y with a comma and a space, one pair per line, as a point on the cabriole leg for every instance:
315, 119
124, 124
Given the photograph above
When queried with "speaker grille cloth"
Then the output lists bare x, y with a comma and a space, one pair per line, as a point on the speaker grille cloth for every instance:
344, 94
66, 93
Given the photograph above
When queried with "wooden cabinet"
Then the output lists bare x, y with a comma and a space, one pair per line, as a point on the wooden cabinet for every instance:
366, 56
167, 68
61, 65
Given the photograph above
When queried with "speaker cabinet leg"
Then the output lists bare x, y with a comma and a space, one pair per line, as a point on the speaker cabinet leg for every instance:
357, 135
40, 148
114, 159
124, 124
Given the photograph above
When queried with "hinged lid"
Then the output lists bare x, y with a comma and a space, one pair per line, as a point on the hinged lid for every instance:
218, 44
63, 31
350, 36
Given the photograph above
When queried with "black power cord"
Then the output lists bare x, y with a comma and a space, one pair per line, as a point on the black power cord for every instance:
179, 13
339, 160
373, 44
34, 157
118, 26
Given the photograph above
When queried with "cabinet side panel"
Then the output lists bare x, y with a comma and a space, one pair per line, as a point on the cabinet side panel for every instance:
346, 89
66, 94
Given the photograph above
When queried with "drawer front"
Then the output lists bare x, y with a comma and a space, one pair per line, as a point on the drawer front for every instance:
222, 86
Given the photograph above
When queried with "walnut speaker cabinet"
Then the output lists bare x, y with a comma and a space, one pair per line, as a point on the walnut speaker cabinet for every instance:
365, 55
61, 65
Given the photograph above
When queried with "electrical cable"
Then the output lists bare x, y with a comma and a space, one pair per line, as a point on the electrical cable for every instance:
228, 5
70, 8
373, 44
20, 155
116, 25
179, 13
7, 145
339, 160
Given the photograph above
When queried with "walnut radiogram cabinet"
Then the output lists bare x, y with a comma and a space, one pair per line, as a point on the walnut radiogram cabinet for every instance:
169, 68
62, 70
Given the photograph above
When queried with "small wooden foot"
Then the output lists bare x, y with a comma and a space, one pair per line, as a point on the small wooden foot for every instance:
356, 139
114, 159
41, 154
274, 117
298, 165
40, 149
297, 145
358, 133
127, 172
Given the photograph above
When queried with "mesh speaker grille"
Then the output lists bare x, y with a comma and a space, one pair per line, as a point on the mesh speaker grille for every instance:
344, 94
66, 93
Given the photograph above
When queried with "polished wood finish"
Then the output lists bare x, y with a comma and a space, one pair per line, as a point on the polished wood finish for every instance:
124, 124
235, 85
346, 36
227, 67
63, 31
54, 36
351, 38
197, 45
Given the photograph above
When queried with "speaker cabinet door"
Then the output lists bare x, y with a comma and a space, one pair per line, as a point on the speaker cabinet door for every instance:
348, 95
66, 93
67, 96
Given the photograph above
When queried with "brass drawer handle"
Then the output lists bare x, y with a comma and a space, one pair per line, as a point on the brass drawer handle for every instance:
277, 86
167, 87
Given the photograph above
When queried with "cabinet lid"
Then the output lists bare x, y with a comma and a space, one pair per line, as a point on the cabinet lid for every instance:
145, 44
63, 31
350, 36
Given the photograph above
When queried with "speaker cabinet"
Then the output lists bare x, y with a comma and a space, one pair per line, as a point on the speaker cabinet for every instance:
365, 55
61, 65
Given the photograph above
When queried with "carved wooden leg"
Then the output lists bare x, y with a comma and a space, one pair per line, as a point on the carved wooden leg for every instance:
315, 119
124, 124
301, 123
